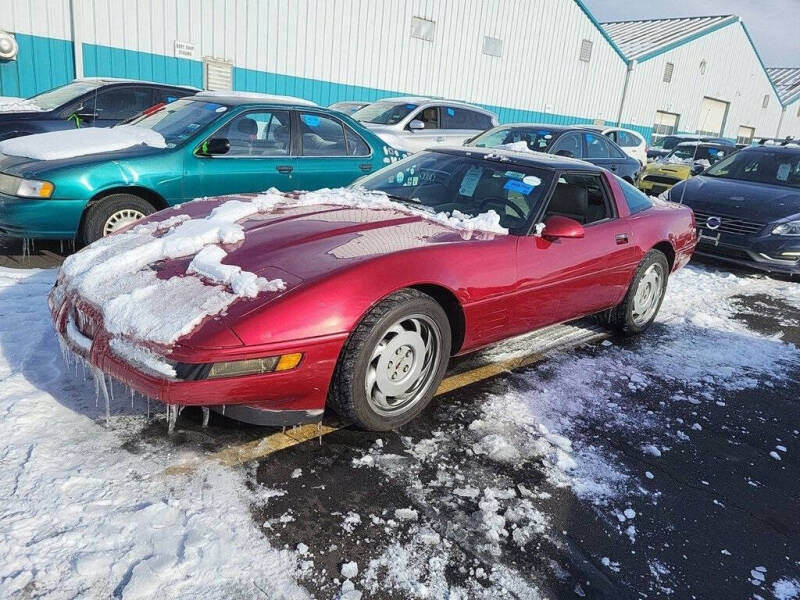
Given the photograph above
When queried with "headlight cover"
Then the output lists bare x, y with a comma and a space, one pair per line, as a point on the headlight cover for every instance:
25, 188
788, 228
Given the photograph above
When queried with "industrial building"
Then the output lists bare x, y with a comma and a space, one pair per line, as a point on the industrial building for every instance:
541, 60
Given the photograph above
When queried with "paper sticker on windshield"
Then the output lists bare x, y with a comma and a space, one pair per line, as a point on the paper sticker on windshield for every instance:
531, 180
399, 177
221, 109
470, 181
513, 185
311, 120
451, 112
514, 175
211, 106
783, 171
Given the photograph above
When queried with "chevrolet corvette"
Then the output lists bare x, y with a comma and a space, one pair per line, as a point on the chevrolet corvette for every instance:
273, 306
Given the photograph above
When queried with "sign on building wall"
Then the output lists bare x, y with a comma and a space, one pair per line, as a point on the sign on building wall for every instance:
184, 50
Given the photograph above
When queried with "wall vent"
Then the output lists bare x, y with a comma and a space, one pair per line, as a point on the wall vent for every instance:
217, 74
492, 46
668, 70
586, 51
423, 29
765, 102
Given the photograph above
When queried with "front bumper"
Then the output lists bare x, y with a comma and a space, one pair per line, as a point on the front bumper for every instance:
279, 398
762, 252
654, 188
40, 219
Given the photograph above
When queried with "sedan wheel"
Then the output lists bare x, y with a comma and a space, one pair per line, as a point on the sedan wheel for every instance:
121, 218
110, 214
640, 306
393, 362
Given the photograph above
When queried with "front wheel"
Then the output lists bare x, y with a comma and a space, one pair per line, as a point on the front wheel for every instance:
393, 362
111, 214
641, 304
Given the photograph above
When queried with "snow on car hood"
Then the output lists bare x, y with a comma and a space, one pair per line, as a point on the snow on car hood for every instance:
69, 143
159, 306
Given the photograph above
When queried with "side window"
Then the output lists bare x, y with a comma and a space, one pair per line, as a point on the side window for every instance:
627, 140
356, 146
262, 133
454, 117
596, 146
430, 117
635, 199
322, 135
580, 196
119, 103
568, 144
613, 136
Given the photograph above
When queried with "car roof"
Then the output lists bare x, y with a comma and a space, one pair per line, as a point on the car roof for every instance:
425, 100
792, 149
113, 80
699, 143
529, 158
238, 98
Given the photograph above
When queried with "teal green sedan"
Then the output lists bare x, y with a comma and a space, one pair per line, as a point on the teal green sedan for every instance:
84, 185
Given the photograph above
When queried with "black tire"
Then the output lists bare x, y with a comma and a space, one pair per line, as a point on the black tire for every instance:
348, 394
95, 219
621, 318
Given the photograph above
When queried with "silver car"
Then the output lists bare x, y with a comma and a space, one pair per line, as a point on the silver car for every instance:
412, 124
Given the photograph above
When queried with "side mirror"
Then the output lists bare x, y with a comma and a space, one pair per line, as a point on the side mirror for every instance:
416, 124
566, 153
697, 168
214, 146
561, 227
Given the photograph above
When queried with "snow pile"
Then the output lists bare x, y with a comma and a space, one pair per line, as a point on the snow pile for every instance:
208, 263
520, 146
256, 96
54, 145
85, 518
786, 589
10, 104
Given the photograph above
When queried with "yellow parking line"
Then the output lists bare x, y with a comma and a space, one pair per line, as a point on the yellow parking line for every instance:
250, 451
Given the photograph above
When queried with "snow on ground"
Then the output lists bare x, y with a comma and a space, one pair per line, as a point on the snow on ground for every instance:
81, 516
55, 145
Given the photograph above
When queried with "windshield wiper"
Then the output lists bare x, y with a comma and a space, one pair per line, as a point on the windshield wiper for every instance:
402, 200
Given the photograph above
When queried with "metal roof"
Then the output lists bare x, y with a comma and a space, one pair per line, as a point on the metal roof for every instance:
639, 39
787, 82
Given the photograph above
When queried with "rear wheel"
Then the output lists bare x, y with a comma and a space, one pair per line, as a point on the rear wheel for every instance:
641, 304
111, 214
393, 362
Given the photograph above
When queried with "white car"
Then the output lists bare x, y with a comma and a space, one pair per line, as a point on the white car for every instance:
632, 143
413, 124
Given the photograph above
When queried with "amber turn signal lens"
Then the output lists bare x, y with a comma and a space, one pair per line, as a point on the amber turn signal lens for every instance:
288, 361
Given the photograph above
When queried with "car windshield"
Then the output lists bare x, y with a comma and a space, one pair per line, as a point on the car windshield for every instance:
692, 152
384, 113
180, 120
443, 182
52, 99
775, 168
536, 138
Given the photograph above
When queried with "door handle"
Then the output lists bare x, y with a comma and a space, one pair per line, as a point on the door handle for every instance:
285, 168
365, 167
622, 238
440, 138
613, 167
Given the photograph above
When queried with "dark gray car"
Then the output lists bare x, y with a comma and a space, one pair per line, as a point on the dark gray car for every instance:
85, 103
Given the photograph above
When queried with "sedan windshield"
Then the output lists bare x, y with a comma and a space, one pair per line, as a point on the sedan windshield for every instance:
536, 138
775, 168
692, 152
444, 182
52, 99
180, 120
384, 113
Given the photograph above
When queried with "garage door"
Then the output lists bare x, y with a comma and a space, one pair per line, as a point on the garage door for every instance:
712, 116
665, 124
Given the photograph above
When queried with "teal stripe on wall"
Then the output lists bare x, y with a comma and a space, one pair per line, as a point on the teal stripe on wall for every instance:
43, 63
105, 61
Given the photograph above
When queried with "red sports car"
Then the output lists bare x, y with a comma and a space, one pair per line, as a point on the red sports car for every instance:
274, 306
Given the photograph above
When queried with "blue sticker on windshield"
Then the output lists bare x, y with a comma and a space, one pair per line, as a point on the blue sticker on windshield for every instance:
311, 120
451, 112
411, 106
211, 106
171, 99
514, 185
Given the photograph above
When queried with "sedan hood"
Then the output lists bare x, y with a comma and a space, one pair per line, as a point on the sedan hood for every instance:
730, 197
32, 168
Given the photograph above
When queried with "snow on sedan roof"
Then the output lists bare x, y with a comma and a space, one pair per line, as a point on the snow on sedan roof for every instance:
257, 96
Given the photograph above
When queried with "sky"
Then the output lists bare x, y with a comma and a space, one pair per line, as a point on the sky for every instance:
773, 24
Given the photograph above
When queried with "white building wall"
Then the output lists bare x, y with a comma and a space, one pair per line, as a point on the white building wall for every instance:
368, 44
733, 74
45, 18
790, 125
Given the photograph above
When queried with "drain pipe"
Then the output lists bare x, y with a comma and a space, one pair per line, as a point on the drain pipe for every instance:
631, 63
77, 36
780, 122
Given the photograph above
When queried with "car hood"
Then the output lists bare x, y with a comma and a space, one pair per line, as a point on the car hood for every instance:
379, 129
734, 198
22, 166
673, 169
